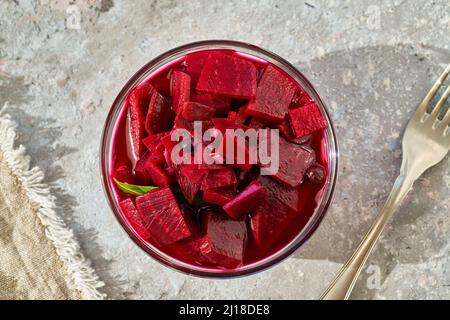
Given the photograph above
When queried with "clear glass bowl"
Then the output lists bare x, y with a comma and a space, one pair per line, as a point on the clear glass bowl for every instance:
155, 65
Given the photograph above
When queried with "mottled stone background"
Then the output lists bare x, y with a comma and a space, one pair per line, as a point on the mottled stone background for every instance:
372, 61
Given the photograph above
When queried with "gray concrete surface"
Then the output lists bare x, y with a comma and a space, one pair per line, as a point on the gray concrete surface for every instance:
372, 61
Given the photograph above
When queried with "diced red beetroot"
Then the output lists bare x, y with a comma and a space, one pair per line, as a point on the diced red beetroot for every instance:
140, 171
150, 170
140, 96
162, 216
219, 178
123, 173
219, 196
302, 140
194, 63
159, 116
190, 217
257, 123
196, 111
207, 124
227, 75
240, 146
134, 218
155, 146
207, 167
268, 223
192, 248
135, 127
271, 219
168, 146
246, 202
246, 177
301, 98
273, 97
242, 115
181, 123
158, 175
190, 178
232, 116
285, 129
222, 124
180, 88
227, 239
305, 120
220, 104
202, 152
294, 161
286, 195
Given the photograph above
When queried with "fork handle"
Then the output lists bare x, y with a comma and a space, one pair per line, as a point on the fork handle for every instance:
344, 282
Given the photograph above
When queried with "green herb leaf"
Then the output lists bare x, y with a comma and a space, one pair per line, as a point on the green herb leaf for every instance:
132, 189
136, 190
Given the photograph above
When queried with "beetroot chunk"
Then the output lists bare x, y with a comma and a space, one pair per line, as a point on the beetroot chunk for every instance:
285, 129
242, 115
190, 178
123, 173
196, 111
181, 123
220, 104
271, 219
226, 239
269, 222
286, 195
214, 166
155, 146
158, 175
294, 161
140, 172
135, 131
239, 146
247, 201
301, 98
162, 217
134, 218
140, 96
194, 63
168, 147
219, 178
219, 196
191, 219
192, 248
257, 123
159, 115
305, 120
273, 97
180, 88
227, 75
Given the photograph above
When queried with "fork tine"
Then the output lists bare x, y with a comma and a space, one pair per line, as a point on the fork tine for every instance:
446, 120
441, 103
430, 95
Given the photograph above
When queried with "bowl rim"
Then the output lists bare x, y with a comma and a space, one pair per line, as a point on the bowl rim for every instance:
304, 234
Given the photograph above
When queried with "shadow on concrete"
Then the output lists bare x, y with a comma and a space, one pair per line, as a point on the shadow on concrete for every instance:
371, 93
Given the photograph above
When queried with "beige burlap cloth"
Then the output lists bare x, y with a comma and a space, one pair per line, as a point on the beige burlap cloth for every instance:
39, 258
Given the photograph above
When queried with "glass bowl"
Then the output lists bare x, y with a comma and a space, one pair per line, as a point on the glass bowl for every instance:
157, 64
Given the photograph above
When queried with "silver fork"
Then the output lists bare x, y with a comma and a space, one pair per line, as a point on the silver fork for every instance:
426, 142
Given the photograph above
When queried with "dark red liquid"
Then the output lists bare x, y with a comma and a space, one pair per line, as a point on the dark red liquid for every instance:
310, 194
